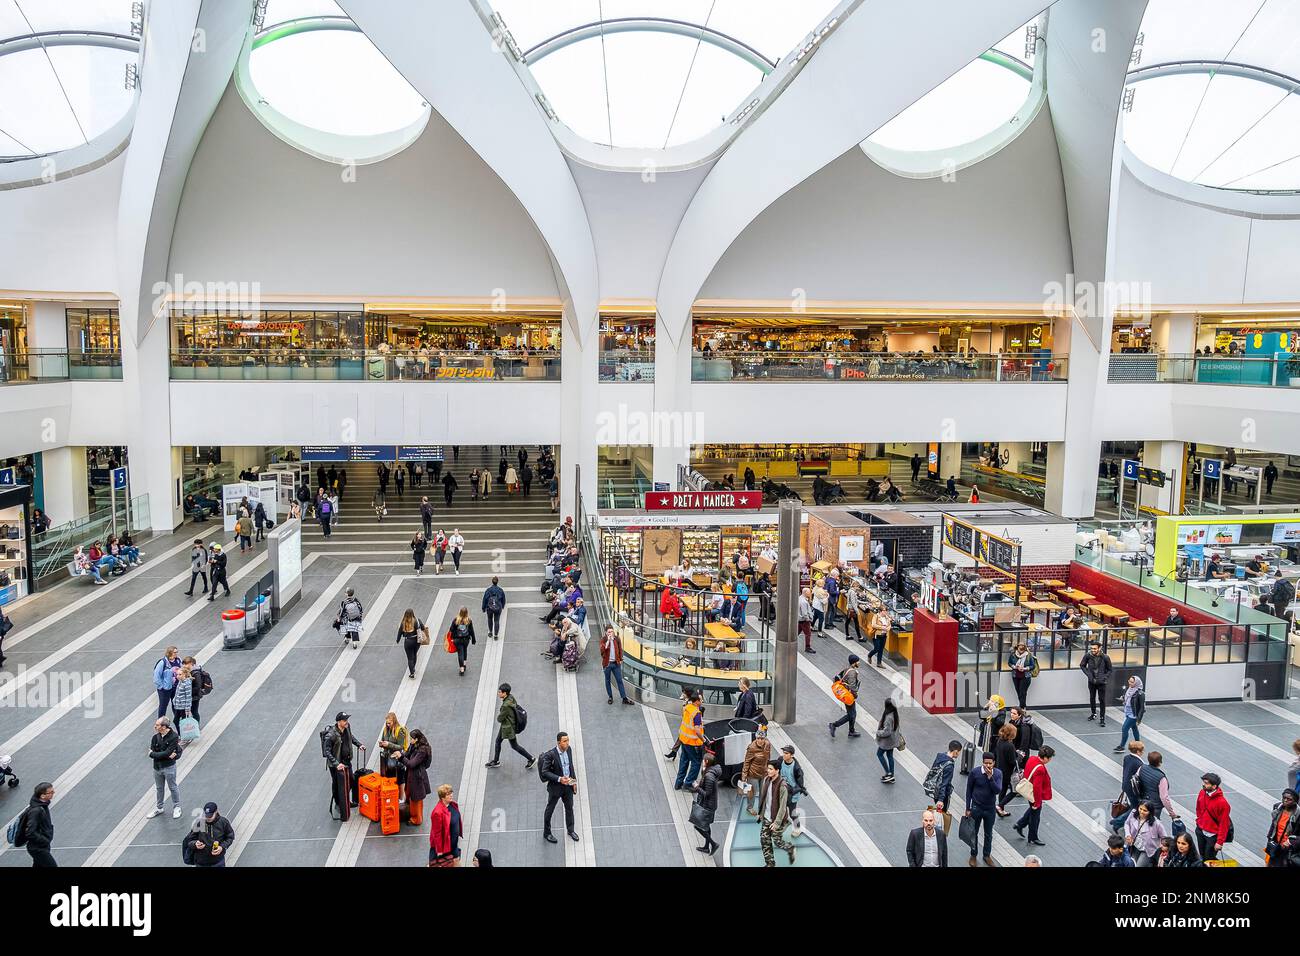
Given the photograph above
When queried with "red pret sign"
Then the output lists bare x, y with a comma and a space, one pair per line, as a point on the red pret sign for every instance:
703, 500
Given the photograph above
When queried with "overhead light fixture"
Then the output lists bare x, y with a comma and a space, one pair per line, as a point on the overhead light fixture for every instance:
259, 16
1136, 56
137, 18
132, 76
503, 38
1031, 40
545, 104
1128, 99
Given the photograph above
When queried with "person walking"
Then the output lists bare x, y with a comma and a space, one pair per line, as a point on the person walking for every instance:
881, 624
1134, 708
411, 633
705, 807
456, 543
183, 695
806, 619
1128, 783
164, 677
494, 602
217, 567
792, 773
1213, 817
758, 755
690, 734
1152, 786
198, 566
889, 737
1022, 672
209, 839
927, 845
462, 636
1143, 832
819, 598
244, 531
851, 612
561, 781
448, 487
393, 741
439, 551
747, 702
260, 521
1007, 761
399, 479
938, 781
1096, 667
164, 751
1037, 774
611, 661
553, 489
419, 548
526, 478
510, 725
36, 826
1293, 769
416, 762
774, 814
349, 620
983, 787
426, 517
324, 511
202, 684
1282, 841
484, 484
445, 830
845, 687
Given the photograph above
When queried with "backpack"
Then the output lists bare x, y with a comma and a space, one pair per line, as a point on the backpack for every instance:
326, 750
1035, 737
494, 603
521, 718
187, 852
931, 785
1034, 671
324, 506
352, 609
16, 834
203, 682
841, 691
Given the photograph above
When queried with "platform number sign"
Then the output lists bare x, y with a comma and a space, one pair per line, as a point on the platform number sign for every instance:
1212, 468
119, 479
1130, 469
6, 476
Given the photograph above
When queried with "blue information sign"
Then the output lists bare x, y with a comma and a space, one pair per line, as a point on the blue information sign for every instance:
119, 479
324, 452
373, 453
419, 453
6, 476
1130, 469
1212, 467
349, 452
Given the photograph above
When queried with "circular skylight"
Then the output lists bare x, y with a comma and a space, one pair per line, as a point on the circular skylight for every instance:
627, 73
977, 100
318, 83
1215, 93
66, 65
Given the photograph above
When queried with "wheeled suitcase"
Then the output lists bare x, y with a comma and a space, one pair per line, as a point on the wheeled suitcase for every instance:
968, 755
368, 795
390, 814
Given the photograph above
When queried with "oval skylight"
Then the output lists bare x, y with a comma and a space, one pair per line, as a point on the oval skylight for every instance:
1214, 95
632, 74
64, 65
319, 83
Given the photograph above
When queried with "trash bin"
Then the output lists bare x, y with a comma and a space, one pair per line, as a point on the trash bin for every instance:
232, 628
263, 613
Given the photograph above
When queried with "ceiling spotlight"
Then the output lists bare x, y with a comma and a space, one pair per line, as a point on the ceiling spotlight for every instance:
1128, 99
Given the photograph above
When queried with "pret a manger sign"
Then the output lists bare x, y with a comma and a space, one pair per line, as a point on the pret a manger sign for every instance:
703, 500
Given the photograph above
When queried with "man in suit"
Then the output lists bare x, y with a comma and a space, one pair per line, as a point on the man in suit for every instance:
561, 783
927, 845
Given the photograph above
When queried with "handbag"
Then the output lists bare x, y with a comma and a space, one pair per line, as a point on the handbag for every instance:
1120, 807
188, 729
424, 635
451, 645
1024, 787
701, 816
902, 741
968, 831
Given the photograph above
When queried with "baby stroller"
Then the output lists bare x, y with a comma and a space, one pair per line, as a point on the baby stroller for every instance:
7, 771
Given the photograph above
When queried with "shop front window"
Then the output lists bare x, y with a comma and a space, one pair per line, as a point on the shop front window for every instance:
627, 348
94, 343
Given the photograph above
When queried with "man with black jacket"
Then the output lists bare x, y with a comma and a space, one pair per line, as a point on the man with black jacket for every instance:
339, 747
448, 487
947, 764
983, 788
1282, 595
1096, 667
164, 751
746, 704
426, 517
260, 520
927, 845
38, 827
494, 602
217, 569
556, 770
209, 839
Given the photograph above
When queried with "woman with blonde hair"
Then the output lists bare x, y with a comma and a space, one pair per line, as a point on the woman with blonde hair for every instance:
444, 830
461, 630
392, 745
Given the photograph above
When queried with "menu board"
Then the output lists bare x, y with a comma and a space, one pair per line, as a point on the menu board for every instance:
997, 552
1203, 534
1286, 533
960, 537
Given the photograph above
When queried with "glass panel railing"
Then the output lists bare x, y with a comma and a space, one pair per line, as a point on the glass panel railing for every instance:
876, 367
96, 365
54, 548
283, 364
1273, 371
33, 365
627, 365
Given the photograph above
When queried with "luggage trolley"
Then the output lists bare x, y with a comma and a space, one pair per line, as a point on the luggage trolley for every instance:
728, 739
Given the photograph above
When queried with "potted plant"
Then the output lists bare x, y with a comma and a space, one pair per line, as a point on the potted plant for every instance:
1293, 370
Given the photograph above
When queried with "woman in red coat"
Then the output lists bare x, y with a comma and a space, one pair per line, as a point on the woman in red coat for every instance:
445, 830
1036, 773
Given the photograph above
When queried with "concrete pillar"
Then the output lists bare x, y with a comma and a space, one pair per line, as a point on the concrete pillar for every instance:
1175, 333
65, 479
579, 378
1072, 464
49, 326
1168, 457
155, 467
675, 417
950, 461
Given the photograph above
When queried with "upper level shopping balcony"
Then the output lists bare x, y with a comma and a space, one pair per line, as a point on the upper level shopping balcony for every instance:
29, 366
1270, 371
732, 366
364, 365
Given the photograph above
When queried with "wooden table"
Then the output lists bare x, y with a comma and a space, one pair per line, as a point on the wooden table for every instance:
1110, 614
1074, 596
1051, 585
1045, 607
721, 632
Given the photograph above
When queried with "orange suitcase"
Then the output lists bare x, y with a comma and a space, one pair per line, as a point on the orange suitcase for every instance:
390, 816
368, 795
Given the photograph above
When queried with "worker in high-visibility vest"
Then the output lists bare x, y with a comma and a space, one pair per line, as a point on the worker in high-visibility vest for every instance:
691, 736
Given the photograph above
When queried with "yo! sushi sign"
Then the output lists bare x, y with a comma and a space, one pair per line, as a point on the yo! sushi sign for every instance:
703, 500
